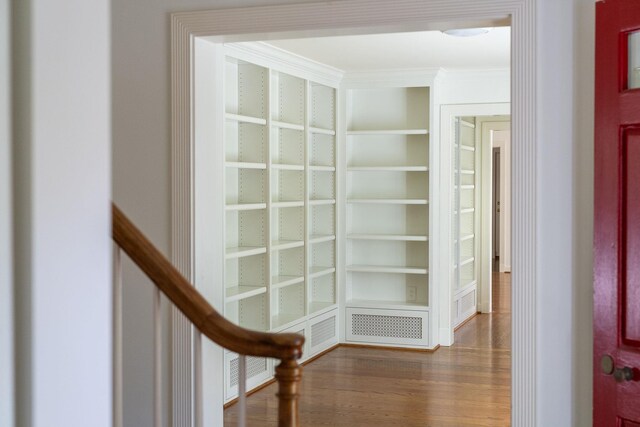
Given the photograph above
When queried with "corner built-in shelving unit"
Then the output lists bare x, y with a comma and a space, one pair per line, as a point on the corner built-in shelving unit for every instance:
280, 205
465, 243
387, 214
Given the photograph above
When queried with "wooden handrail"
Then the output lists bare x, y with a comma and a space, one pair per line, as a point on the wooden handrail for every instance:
286, 347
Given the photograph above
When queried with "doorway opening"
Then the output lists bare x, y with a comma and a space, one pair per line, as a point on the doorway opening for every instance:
481, 213
319, 15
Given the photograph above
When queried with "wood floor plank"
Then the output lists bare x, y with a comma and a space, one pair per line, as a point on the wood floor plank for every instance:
468, 384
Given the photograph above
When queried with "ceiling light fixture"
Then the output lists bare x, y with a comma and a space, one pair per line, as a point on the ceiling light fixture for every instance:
467, 32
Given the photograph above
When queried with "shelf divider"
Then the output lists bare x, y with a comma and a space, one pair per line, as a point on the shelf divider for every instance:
245, 119
389, 132
394, 237
386, 269
244, 251
387, 168
241, 292
390, 201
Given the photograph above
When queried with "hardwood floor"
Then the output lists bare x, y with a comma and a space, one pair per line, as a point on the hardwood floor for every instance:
468, 384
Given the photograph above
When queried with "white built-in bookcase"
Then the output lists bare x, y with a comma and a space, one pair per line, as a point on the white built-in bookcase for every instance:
387, 150
465, 225
280, 206
326, 205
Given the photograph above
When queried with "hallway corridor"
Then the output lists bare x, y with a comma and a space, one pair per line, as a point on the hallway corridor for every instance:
467, 384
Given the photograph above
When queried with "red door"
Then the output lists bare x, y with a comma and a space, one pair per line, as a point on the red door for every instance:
617, 215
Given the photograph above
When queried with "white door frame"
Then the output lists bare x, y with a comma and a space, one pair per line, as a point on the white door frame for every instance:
505, 191
447, 115
362, 17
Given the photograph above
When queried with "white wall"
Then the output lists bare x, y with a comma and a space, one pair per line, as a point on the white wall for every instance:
6, 260
61, 212
565, 211
476, 86
141, 90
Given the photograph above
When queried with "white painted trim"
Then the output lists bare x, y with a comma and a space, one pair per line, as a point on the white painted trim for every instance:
209, 249
264, 54
445, 278
379, 16
7, 366
117, 320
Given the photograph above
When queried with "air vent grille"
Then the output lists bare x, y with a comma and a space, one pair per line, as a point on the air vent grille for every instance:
468, 302
255, 366
387, 326
323, 331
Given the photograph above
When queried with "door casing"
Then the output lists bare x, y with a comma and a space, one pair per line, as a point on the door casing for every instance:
363, 17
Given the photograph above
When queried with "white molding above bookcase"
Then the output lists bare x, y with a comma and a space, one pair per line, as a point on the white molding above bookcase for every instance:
265, 55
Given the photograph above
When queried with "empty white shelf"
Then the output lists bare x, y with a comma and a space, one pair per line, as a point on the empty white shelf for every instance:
391, 201
319, 238
320, 271
466, 285
292, 204
387, 168
322, 131
467, 187
395, 237
245, 165
467, 148
389, 132
318, 307
390, 305
285, 125
465, 262
281, 166
466, 237
467, 124
465, 211
322, 202
280, 320
238, 293
386, 269
466, 171
245, 206
245, 119
286, 244
322, 168
243, 251
284, 281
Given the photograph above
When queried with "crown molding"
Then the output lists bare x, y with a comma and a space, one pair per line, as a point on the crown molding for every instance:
278, 59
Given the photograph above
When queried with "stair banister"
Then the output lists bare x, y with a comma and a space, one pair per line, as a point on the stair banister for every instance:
285, 347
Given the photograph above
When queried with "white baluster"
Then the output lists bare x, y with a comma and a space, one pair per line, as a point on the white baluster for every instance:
242, 391
157, 359
117, 337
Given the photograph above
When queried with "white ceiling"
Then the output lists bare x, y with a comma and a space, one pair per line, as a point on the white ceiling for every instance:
405, 50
